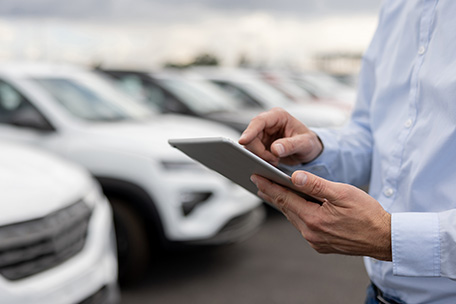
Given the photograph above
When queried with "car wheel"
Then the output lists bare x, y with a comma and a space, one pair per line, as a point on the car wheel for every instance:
133, 246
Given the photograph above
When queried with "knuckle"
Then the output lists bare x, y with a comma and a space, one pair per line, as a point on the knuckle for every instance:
317, 187
293, 144
281, 200
313, 223
345, 192
309, 143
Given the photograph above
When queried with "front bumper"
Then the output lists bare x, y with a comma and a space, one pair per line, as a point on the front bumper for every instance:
108, 294
78, 279
238, 228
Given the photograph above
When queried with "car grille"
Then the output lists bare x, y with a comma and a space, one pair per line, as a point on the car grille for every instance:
30, 247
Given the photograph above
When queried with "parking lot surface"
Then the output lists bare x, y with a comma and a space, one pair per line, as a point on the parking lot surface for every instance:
276, 265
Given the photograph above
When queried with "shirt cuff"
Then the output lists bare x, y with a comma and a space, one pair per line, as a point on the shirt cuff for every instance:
329, 142
320, 166
415, 242
328, 164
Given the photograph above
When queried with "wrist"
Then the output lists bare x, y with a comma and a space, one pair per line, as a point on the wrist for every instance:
318, 149
382, 243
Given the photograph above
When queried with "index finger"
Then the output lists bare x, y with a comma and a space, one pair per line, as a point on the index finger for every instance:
259, 124
281, 197
258, 148
316, 186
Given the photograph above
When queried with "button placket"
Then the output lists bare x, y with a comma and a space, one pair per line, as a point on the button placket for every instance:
388, 192
421, 50
408, 123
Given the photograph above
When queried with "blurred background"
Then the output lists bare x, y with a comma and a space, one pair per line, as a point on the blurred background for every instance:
151, 33
98, 82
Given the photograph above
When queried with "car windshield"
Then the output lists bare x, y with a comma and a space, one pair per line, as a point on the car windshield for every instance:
92, 98
200, 96
324, 85
269, 96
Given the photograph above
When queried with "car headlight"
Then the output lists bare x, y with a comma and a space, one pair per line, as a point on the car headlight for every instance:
94, 196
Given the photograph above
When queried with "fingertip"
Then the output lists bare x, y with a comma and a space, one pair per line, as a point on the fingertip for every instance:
279, 149
254, 179
242, 138
299, 178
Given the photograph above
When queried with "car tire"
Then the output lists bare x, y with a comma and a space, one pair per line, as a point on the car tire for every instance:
133, 246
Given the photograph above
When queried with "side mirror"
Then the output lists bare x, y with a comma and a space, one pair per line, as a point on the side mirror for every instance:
171, 105
30, 118
15, 110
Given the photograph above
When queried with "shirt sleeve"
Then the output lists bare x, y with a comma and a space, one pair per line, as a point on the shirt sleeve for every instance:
415, 242
447, 236
347, 152
423, 244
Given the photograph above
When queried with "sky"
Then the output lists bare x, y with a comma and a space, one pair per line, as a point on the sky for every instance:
170, 10
147, 33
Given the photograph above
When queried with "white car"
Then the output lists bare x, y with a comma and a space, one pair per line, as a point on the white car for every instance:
326, 87
57, 240
247, 86
158, 194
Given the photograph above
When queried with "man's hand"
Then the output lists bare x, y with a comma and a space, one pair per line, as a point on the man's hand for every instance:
276, 136
348, 222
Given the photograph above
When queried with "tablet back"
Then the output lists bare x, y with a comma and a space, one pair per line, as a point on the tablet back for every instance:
233, 161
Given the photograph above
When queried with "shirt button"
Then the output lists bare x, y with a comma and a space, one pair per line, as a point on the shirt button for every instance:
408, 123
388, 192
421, 50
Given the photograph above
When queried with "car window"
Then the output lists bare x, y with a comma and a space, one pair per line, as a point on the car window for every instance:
269, 96
136, 87
153, 94
200, 96
92, 99
239, 94
17, 110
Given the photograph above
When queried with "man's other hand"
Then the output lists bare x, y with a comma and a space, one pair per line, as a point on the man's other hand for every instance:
348, 221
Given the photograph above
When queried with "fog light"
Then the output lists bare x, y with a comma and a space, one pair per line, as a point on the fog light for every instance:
190, 200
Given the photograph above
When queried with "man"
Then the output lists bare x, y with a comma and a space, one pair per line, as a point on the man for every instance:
401, 140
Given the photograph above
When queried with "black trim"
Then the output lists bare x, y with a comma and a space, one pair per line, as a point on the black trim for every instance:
149, 80
22, 118
140, 201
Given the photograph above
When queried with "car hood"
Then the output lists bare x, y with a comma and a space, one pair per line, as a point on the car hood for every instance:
314, 115
150, 137
238, 120
34, 183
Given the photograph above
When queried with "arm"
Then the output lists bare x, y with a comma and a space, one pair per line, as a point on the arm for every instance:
349, 221
279, 138
347, 154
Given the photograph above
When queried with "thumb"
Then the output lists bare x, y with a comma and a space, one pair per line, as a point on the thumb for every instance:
303, 147
315, 186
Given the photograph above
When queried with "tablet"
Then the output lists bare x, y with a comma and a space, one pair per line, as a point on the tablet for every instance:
233, 161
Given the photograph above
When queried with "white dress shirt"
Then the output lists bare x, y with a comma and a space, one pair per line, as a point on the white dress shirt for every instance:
401, 141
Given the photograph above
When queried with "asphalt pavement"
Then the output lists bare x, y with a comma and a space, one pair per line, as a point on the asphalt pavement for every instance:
276, 265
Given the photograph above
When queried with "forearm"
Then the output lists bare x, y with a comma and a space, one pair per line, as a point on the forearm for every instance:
347, 152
